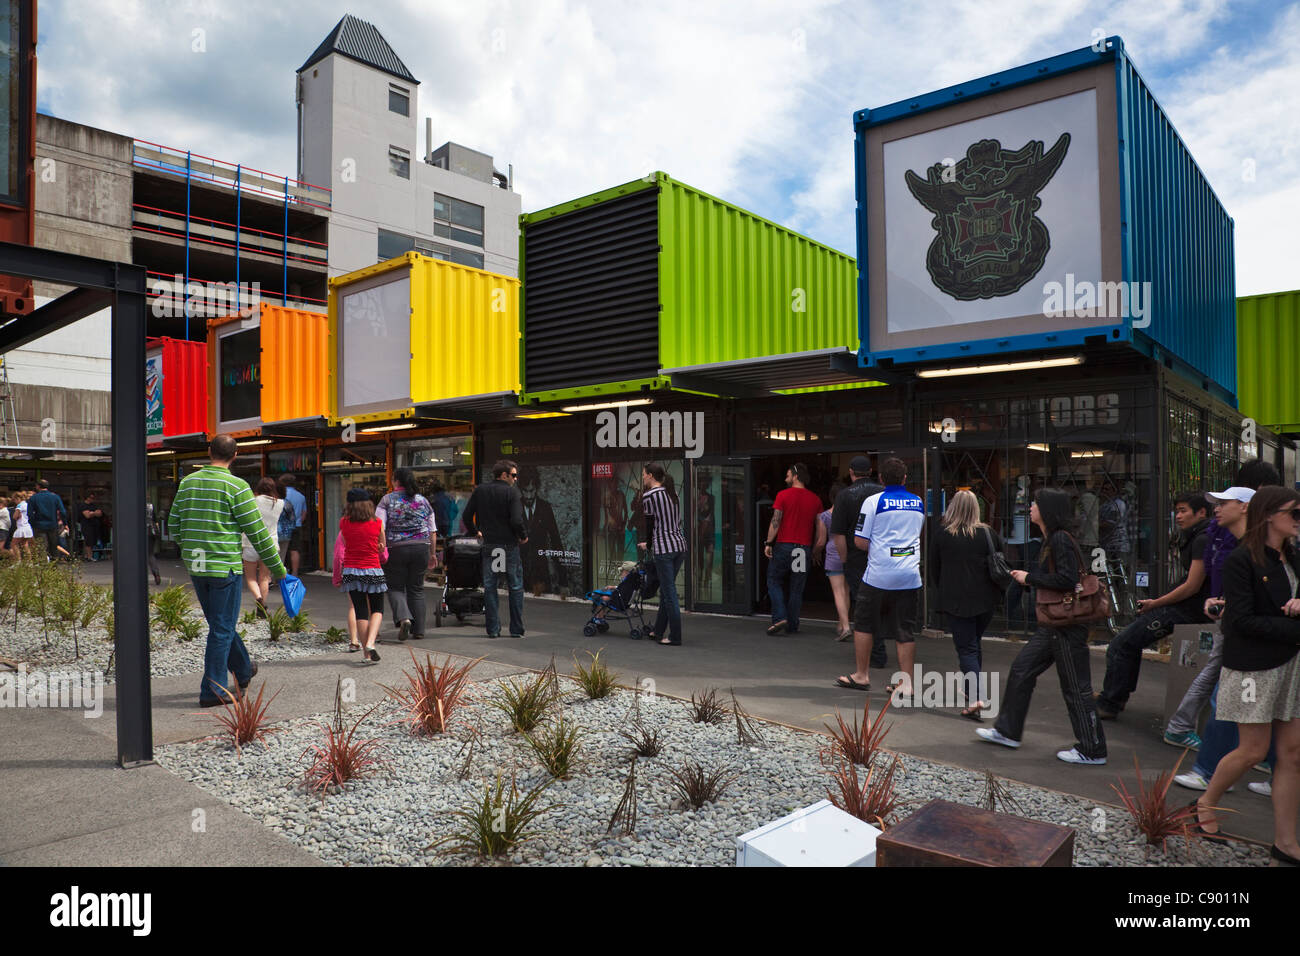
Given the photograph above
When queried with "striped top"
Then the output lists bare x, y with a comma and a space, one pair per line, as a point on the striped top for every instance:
211, 511
664, 521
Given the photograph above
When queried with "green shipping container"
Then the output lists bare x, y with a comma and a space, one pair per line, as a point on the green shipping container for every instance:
1268, 341
654, 284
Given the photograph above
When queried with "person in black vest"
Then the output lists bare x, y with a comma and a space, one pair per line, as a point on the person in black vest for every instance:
959, 567
844, 520
495, 512
1184, 604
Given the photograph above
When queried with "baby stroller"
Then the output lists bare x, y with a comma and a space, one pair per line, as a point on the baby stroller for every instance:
620, 603
462, 591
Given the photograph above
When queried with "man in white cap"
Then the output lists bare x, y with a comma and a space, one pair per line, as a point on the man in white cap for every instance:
1183, 604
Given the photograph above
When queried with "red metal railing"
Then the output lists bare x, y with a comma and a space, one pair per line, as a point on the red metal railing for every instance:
153, 293
278, 237
229, 175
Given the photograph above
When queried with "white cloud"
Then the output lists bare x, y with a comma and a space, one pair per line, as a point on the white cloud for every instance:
750, 102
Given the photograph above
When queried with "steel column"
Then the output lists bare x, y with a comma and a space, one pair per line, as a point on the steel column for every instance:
130, 543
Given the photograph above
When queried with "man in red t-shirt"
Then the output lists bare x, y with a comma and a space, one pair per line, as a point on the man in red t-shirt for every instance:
789, 547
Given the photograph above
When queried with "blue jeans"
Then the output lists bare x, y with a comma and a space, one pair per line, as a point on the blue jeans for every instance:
1220, 738
514, 576
220, 599
779, 570
966, 635
670, 611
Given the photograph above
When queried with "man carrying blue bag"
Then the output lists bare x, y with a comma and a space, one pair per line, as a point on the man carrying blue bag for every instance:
212, 509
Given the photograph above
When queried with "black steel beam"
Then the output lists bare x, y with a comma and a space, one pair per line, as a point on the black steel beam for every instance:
130, 571
64, 268
51, 317
697, 382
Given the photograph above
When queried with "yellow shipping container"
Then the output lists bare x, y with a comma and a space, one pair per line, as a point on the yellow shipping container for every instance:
415, 330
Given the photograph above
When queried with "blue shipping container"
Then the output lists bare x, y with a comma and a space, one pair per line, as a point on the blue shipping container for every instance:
1158, 221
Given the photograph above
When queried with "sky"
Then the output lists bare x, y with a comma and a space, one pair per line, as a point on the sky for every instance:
752, 102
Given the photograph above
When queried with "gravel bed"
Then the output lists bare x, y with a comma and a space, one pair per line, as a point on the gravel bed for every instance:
168, 656
390, 819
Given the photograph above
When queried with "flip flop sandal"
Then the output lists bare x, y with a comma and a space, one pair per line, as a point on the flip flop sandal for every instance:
972, 713
850, 684
899, 698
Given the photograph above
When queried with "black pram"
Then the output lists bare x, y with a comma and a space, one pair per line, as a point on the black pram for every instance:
620, 603
462, 594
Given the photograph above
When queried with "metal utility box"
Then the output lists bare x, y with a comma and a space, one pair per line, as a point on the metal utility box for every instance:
819, 835
1190, 646
953, 834
1046, 207
420, 331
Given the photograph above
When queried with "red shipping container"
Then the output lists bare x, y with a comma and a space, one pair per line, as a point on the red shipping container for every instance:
176, 389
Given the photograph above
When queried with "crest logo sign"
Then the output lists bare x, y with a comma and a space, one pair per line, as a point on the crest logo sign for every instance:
989, 242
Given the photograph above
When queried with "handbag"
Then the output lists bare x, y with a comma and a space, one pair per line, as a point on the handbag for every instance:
999, 570
1086, 603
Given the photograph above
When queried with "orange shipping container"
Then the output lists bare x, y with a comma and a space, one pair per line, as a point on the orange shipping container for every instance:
267, 364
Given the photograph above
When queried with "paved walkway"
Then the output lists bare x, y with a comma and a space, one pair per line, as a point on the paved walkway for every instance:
63, 801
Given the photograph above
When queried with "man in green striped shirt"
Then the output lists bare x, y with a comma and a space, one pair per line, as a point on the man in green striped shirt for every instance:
212, 509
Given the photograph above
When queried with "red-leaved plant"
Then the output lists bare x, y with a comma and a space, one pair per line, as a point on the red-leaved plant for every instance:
872, 798
243, 718
344, 757
1152, 815
432, 693
860, 741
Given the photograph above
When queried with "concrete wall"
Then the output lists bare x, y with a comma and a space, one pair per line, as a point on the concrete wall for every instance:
66, 417
347, 131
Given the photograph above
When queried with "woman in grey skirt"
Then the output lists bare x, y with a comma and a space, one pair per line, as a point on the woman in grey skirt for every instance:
1259, 687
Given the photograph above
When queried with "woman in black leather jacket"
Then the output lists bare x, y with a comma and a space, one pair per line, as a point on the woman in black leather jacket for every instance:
1067, 647
1259, 686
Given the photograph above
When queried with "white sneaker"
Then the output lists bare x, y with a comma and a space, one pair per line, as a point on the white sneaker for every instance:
1264, 789
992, 736
1194, 781
1073, 756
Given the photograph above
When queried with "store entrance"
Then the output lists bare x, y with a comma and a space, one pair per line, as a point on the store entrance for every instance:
721, 536
828, 471
353, 466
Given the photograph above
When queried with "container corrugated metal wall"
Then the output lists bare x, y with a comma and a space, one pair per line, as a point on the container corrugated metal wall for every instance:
1178, 237
1268, 341
185, 387
1175, 232
736, 286
591, 289
295, 363
464, 331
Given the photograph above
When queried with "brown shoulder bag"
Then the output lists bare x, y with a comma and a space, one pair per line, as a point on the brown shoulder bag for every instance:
1086, 603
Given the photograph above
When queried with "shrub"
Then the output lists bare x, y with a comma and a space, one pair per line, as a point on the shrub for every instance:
344, 756
242, 718
99, 601
334, 635
706, 708
192, 628
625, 812
433, 693
249, 617
698, 786
528, 702
171, 607
1152, 815
872, 799
860, 741
747, 730
299, 624
997, 795
645, 741
556, 745
498, 822
595, 680
277, 622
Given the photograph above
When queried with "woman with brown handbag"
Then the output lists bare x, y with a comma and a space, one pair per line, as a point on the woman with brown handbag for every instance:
1065, 644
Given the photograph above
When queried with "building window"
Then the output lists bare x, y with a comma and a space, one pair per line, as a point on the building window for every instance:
394, 244
399, 100
458, 220
399, 162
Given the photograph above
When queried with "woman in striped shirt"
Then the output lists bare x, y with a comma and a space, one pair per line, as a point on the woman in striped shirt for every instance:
667, 547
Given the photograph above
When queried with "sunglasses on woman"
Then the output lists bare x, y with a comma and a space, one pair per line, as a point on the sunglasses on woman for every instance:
1293, 512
